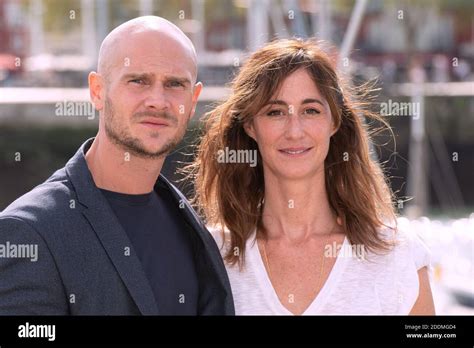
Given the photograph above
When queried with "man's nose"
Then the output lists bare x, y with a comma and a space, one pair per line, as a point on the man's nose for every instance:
157, 98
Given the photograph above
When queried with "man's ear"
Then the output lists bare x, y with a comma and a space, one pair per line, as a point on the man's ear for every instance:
96, 90
249, 129
196, 93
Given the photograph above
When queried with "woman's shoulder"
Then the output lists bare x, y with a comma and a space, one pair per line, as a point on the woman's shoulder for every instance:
410, 239
221, 236
388, 279
407, 248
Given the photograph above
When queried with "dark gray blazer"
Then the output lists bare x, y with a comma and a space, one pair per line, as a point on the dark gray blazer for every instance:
83, 265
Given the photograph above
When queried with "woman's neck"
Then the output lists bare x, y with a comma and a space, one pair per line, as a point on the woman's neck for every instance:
295, 210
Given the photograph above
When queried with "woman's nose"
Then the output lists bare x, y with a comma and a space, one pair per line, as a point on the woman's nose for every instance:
294, 127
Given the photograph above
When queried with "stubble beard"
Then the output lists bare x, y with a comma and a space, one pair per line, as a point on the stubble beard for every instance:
122, 138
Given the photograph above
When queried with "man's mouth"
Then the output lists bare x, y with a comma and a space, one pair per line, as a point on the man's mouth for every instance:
154, 123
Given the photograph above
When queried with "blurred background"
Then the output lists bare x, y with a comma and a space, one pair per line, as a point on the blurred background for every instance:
419, 52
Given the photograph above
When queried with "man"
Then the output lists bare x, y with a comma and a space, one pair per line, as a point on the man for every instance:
113, 236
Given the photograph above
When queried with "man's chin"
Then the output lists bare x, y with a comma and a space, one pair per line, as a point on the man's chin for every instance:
137, 148
144, 146
153, 150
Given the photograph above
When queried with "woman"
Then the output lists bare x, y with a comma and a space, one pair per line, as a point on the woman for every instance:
309, 229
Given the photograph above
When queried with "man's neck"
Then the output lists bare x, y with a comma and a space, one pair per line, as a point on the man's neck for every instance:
115, 169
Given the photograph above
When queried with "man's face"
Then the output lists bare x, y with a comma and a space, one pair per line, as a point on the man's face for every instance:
150, 95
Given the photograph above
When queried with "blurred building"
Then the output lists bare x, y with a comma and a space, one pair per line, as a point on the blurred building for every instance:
57, 42
14, 34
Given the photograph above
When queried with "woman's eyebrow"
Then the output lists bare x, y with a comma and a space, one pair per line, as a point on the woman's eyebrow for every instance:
312, 100
305, 101
276, 102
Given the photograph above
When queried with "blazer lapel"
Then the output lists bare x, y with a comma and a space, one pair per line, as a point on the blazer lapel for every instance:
214, 260
111, 234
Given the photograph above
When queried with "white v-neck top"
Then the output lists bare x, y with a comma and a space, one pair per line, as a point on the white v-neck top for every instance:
378, 284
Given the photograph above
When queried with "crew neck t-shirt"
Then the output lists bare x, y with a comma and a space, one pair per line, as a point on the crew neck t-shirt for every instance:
161, 241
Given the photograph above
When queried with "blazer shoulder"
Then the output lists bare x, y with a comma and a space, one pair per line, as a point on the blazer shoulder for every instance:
46, 202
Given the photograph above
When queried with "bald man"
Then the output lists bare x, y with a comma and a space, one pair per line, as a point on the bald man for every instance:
107, 234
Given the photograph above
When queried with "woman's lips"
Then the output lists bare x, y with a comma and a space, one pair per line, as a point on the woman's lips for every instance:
295, 151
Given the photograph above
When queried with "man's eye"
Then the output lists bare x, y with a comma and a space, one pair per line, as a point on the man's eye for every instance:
312, 111
275, 113
175, 84
137, 81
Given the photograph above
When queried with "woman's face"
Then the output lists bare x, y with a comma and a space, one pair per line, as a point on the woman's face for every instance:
293, 130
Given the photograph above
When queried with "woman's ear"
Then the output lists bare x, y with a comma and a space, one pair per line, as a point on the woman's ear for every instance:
249, 129
334, 127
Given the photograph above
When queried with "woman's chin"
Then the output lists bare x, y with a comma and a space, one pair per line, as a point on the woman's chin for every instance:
297, 174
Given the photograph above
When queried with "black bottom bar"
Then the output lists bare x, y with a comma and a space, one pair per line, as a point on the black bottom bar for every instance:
350, 330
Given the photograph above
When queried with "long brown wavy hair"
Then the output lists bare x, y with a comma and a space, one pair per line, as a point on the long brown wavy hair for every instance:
232, 195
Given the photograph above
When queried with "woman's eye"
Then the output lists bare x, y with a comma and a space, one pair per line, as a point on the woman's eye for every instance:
312, 111
274, 113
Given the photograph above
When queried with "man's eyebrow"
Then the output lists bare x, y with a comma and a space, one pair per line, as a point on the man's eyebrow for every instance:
305, 101
183, 80
133, 76
148, 76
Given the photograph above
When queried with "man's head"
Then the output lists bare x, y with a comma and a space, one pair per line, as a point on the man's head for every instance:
145, 87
